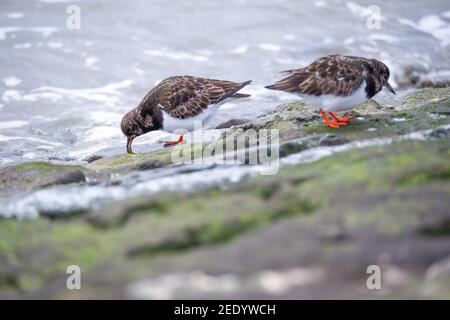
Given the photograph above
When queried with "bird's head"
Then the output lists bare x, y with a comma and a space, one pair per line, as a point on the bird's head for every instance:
382, 74
135, 123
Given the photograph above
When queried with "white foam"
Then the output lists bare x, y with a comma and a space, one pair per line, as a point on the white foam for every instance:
29, 155
100, 133
54, 44
11, 81
51, 96
51, 199
357, 9
44, 30
105, 117
12, 124
176, 55
368, 48
44, 148
320, 4
32, 139
5, 30
361, 11
289, 36
90, 61
11, 95
4, 161
384, 37
26, 45
68, 198
349, 41
108, 95
15, 15
240, 49
138, 70
5, 138
269, 47
441, 74
432, 25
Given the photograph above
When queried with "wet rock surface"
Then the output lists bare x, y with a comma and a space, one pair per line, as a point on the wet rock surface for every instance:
230, 123
373, 193
29, 176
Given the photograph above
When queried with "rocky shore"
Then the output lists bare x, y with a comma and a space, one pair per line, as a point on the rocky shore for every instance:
375, 192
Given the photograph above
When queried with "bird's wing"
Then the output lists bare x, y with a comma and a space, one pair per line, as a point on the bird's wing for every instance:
187, 96
335, 75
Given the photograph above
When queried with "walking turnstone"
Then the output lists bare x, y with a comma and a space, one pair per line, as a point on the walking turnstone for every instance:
175, 103
337, 83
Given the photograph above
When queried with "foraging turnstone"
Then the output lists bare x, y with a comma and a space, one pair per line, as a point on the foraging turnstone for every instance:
175, 103
336, 83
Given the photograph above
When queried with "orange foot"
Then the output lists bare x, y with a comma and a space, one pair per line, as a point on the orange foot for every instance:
339, 119
175, 142
332, 124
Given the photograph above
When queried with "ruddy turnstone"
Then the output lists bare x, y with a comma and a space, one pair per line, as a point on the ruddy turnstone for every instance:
175, 103
336, 83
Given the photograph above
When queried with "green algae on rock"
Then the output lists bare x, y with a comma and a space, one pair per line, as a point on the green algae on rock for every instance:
33, 175
361, 191
384, 205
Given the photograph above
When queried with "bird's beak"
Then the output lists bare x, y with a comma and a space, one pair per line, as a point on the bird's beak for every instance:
129, 142
388, 86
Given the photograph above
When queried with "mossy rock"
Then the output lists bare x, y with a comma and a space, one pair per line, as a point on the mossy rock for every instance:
143, 161
338, 214
386, 194
33, 175
423, 109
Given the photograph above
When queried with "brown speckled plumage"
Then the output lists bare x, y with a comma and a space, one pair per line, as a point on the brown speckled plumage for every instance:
336, 75
181, 97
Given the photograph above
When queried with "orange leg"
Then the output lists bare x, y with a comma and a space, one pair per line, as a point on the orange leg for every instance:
339, 119
175, 142
332, 124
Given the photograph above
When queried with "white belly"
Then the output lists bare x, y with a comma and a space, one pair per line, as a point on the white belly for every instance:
172, 124
331, 103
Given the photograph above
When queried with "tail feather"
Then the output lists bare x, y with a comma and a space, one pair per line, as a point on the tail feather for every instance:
282, 84
241, 95
233, 91
287, 71
272, 87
